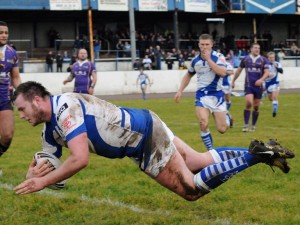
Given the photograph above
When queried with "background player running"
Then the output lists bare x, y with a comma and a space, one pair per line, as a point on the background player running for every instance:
142, 81
272, 82
257, 70
210, 67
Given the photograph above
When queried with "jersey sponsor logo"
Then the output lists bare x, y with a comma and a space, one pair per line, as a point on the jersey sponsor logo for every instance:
61, 110
68, 123
255, 70
11, 61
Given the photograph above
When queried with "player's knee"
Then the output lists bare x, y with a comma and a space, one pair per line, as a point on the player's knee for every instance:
223, 129
256, 108
203, 125
6, 139
193, 197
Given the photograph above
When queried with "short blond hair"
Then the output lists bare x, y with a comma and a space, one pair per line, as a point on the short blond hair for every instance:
271, 53
206, 37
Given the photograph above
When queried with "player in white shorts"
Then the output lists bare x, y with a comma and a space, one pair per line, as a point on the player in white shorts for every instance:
210, 67
84, 123
272, 82
143, 80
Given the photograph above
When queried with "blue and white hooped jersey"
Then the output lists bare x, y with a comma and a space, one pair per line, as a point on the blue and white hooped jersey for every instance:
112, 131
142, 77
207, 80
273, 77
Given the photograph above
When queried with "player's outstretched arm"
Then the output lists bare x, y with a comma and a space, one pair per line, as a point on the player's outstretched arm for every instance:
77, 160
184, 83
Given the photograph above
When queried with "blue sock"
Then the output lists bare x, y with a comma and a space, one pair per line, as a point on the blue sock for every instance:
275, 106
216, 174
228, 119
207, 140
228, 104
225, 153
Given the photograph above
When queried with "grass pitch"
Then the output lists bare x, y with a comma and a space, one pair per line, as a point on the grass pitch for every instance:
116, 192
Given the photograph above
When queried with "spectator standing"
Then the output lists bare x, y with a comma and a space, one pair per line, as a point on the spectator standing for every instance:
59, 62
97, 48
257, 70
84, 73
49, 61
120, 48
158, 56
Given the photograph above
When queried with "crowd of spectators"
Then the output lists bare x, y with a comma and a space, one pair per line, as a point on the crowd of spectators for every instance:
155, 48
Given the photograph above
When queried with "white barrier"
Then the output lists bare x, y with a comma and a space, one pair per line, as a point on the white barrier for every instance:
164, 81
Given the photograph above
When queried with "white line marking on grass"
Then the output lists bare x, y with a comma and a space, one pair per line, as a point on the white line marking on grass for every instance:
95, 201
118, 204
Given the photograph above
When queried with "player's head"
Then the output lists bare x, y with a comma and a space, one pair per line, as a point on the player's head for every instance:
141, 68
271, 56
82, 54
28, 98
30, 89
205, 42
255, 49
3, 33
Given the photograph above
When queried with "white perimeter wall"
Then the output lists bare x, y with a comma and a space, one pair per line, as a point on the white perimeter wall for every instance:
124, 82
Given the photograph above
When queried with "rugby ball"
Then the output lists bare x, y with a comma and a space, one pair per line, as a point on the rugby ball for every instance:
40, 157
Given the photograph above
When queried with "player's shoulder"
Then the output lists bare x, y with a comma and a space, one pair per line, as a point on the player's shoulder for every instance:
11, 50
64, 103
65, 99
195, 59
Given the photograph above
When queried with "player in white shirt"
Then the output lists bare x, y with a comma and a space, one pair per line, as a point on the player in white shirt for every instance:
142, 81
84, 123
272, 82
210, 67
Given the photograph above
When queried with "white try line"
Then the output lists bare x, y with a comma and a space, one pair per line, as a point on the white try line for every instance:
94, 201
117, 204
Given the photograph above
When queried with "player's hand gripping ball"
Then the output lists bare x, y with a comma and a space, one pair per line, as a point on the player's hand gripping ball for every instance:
55, 162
